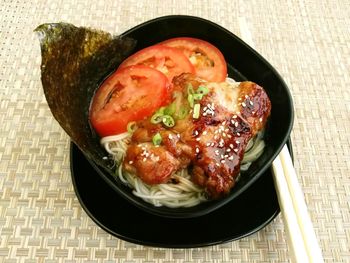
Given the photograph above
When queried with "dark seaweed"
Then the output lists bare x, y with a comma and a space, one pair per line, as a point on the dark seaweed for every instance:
75, 60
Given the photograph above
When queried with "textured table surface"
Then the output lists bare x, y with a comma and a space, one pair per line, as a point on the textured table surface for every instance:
41, 219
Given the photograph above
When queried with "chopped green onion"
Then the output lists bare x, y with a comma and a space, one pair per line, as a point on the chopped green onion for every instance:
181, 113
157, 139
197, 96
157, 118
131, 127
161, 110
196, 110
190, 89
168, 121
203, 90
190, 100
170, 110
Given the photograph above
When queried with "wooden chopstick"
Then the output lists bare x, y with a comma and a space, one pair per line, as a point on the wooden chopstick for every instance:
301, 236
295, 237
298, 211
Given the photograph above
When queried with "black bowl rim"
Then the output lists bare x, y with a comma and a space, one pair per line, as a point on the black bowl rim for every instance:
184, 212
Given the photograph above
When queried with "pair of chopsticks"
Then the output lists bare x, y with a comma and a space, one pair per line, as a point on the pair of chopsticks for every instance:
303, 244
301, 236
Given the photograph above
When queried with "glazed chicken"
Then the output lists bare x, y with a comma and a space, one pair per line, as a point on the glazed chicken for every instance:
210, 146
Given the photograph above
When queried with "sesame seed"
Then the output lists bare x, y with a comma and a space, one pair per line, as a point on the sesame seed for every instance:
197, 150
251, 103
238, 134
144, 159
222, 161
216, 152
239, 99
231, 146
236, 124
212, 144
104, 157
229, 136
223, 134
205, 132
235, 150
208, 144
178, 135
231, 157
198, 139
196, 132
157, 159
217, 164
234, 116
223, 123
131, 162
243, 104
170, 137
260, 119
238, 142
253, 112
246, 96
204, 114
228, 150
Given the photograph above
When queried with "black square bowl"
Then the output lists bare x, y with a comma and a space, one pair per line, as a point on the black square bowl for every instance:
244, 63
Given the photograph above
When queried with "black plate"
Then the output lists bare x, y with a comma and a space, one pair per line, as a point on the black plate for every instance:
245, 215
243, 64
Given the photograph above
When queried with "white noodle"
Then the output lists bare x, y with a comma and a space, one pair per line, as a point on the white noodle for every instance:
184, 193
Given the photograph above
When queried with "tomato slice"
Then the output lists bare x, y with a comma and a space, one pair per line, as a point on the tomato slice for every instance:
208, 61
170, 61
130, 94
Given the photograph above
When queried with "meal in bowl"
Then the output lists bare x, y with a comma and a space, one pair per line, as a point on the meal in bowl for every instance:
179, 130
77, 60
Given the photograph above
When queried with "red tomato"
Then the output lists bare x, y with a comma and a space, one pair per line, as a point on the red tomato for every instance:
170, 61
130, 94
208, 61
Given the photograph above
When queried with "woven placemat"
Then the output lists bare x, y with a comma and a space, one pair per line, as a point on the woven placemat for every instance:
41, 219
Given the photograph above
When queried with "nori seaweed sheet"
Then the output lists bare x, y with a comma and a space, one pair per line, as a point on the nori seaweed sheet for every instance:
75, 60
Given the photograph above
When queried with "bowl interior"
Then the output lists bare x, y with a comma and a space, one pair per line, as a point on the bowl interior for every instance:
243, 64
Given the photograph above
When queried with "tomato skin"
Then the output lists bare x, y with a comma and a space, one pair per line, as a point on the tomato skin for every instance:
216, 71
130, 94
170, 61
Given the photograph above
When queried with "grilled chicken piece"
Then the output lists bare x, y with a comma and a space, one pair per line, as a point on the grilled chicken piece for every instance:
154, 165
212, 145
231, 115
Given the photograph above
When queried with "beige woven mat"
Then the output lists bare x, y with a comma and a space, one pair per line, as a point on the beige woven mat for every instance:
41, 219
